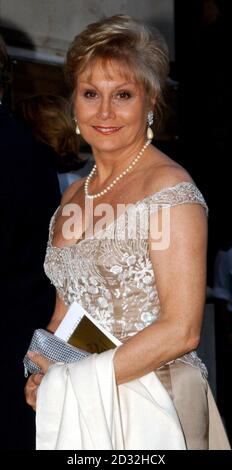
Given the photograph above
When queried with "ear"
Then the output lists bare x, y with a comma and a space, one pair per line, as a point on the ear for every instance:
153, 101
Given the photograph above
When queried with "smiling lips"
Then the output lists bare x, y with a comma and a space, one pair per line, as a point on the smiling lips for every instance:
106, 130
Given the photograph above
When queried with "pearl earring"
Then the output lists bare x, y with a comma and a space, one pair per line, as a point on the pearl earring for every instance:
150, 119
77, 130
77, 127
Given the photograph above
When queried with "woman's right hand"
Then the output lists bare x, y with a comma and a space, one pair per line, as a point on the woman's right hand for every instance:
31, 388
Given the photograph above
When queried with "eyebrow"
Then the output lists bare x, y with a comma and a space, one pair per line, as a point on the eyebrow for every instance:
119, 86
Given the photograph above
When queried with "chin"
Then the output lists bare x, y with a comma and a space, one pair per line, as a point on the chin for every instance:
106, 144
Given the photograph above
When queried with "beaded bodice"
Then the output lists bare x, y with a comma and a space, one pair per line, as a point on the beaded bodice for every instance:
111, 275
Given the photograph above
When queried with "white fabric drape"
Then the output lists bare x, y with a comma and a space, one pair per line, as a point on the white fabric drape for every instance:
79, 406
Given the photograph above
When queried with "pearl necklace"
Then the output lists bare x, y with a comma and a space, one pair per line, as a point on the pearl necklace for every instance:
111, 185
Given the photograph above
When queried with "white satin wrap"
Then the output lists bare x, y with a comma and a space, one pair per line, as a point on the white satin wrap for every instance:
80, 407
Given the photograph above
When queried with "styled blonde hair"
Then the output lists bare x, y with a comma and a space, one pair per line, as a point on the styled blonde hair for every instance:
139, 52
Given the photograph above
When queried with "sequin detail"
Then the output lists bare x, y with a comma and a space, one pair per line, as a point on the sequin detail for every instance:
111, 275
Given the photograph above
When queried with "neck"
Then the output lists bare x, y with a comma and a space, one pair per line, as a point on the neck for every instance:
110, 164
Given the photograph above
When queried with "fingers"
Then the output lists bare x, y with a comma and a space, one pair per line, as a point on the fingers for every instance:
37, 378
41, 361
31, 389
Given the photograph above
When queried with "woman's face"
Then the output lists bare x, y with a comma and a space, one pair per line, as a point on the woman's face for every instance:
111, 110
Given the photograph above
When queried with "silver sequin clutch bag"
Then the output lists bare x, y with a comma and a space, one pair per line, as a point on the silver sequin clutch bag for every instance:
53, 348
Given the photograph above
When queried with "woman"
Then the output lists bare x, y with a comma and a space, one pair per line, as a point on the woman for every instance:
132, 284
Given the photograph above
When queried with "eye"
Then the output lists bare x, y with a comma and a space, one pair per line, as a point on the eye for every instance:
90, 94
124, 95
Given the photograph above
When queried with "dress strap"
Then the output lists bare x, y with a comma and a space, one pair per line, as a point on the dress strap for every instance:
181, 193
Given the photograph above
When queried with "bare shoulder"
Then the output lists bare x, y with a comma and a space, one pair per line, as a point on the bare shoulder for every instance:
71, 190
164, 173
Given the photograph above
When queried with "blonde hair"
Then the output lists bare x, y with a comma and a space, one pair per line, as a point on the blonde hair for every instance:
140, 52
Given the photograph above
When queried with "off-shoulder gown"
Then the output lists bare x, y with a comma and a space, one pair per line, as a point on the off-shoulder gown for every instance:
112, 277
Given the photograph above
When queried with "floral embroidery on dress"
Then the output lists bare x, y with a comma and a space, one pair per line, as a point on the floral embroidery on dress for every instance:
112, 275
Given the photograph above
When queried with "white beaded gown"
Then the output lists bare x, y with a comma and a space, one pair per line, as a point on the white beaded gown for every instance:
111, 275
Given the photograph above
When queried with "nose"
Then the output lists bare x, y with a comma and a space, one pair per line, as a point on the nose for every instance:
105, 110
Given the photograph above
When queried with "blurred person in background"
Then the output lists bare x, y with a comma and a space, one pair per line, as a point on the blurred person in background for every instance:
49, 118
28, 196
222, 293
